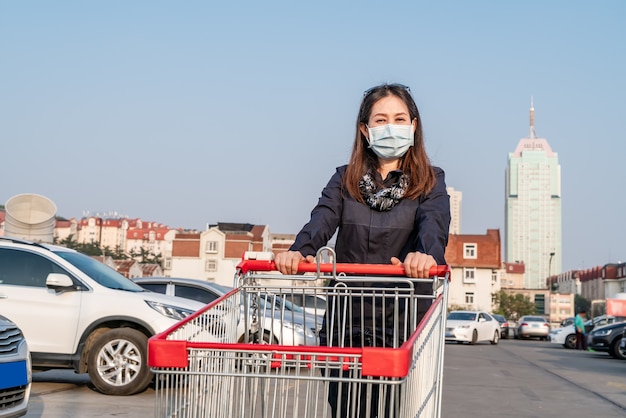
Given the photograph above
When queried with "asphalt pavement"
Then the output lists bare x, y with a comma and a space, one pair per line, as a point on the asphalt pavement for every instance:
516, 378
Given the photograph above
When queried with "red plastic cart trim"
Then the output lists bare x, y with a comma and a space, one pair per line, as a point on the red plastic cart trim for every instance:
165, 354
382, 269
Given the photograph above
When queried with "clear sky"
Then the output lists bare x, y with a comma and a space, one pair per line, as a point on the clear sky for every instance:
196, 112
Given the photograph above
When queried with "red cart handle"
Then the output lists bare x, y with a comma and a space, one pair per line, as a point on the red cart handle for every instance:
381, 269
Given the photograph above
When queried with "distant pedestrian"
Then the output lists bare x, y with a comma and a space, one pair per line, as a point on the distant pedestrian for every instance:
579, 324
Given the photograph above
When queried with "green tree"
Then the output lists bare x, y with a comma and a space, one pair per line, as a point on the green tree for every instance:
580, 304
513, 306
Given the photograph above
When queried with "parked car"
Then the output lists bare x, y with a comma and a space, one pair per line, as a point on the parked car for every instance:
310, 302
281, 321
471, 327
504, 325
532, 326
77, 313
566, 336
15, 370
608, 339
622, 345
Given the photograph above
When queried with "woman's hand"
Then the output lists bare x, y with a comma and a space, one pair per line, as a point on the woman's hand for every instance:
287, 262
416, 265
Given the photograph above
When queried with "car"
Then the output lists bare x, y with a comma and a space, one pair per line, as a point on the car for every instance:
15, 370
309, 301
532, 326
77, 313
281, 321
566, 336
504, 325
472, 327
608, 339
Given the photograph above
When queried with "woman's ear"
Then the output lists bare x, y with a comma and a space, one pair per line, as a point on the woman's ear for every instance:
364, 131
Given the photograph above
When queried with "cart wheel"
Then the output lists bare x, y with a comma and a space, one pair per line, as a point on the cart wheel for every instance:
117, 362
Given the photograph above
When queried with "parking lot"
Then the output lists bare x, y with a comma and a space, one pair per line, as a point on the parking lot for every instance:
512, 379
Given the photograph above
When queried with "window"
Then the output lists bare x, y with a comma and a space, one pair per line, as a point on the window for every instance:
211, 247
211, 265
469, 251
22, 268
469, 275
195, 293
469, 298
168, 263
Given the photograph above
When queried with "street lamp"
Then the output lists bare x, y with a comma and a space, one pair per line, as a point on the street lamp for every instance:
550, 283
550, 270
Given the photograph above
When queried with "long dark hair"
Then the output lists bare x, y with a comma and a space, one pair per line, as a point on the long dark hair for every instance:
414, 163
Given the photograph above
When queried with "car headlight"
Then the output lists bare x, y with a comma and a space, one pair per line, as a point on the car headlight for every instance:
602, 333
174, 312
556, 331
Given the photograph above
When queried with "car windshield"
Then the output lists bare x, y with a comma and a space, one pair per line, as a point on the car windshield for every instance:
101, 273
279, 303
462, 316
500, 318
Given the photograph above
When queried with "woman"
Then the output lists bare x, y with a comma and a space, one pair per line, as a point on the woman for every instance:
389, 204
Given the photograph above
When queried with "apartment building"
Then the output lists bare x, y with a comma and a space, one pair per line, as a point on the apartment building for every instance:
475, 263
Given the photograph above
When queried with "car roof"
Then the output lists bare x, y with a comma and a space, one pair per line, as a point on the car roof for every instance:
183, 280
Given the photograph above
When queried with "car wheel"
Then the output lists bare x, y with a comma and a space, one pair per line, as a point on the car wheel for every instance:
117, 362
496, 338
570, 341
616, 351
474, 337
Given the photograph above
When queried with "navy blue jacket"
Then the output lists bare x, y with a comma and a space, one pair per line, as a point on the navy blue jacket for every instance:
368, 236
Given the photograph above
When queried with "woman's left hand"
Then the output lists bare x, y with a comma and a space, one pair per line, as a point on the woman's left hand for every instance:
416, 265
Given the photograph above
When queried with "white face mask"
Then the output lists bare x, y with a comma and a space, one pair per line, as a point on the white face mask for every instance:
391, 141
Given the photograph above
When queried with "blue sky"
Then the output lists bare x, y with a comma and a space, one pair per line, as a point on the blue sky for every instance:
188, 113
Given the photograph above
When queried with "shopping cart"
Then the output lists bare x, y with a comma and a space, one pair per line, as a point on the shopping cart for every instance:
375, 350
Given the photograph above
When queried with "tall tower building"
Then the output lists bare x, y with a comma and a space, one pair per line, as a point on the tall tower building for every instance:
455, 210
533, 208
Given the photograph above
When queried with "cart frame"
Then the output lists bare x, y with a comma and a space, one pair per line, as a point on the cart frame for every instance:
203, 369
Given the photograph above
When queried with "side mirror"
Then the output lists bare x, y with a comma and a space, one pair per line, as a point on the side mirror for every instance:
59, 282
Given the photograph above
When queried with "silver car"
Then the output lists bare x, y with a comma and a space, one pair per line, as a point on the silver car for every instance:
15, 370
533, 326
279, 320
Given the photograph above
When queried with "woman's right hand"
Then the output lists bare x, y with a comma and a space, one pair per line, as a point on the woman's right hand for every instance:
287, 262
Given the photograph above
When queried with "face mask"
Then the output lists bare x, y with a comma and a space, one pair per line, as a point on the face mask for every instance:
390, 141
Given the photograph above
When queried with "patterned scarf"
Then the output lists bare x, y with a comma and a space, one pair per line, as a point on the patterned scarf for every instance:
384, 199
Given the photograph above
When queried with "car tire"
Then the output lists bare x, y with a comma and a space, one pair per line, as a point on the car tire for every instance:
117, 362
570, 341
615, 350
496, 338
474, 337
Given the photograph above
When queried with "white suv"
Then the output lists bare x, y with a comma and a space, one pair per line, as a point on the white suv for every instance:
78, 313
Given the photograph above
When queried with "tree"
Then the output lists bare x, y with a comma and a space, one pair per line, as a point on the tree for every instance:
580, 304
513, 306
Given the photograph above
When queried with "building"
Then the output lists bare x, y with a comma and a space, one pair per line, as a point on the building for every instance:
533, 208
213, 254
456, 198
475, 264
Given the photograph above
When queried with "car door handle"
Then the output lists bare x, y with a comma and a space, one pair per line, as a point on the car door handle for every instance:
4, 297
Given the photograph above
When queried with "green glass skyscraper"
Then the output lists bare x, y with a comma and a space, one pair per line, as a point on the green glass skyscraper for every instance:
533, 208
